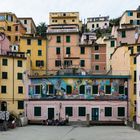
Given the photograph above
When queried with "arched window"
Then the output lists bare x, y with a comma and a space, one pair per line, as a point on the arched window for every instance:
82, 89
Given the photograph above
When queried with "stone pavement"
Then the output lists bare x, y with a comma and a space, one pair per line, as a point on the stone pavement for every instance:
35, 132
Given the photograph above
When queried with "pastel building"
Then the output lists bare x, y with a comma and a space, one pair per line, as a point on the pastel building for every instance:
104, 98
94, 23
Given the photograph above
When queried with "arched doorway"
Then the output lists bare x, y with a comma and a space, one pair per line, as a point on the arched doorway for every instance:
3, 106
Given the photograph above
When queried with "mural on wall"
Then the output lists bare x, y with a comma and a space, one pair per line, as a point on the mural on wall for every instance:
78, 88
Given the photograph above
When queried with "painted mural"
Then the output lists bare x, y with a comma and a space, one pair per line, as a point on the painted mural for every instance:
68, 88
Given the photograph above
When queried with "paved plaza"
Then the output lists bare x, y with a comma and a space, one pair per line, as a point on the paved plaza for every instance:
71, 133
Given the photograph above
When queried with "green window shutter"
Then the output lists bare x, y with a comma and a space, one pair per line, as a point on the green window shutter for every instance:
57, 50
68, 39
37, 111
112, 43
123, 34
82, 50
69, 89
69, 111
82, 111
58, 39
68, 50
95, 89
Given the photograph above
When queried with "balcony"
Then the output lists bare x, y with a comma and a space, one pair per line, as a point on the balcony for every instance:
62, 31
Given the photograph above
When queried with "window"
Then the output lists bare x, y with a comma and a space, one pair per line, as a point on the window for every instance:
37, 89
20, 89
82, 89
135, 59
73, 20
68, 39
39, 63
28, 41
96, 67
108, 111
39, 52
95, 89
135, 90
131, 21
69, 111
130, 13
16, 38
82, 63
135, 76
96, 56
39, 42
138, 15
19, 63
92, 25
121, 89
82, 50
19, 76
68, 50
64, 21
96, 48
20, 104
29, 52
82, 111
108, 89
4, 62
57, 63
4, 75
8, 28
51, 89
123, 34
58, 39
97, 25
112, 43
121, 111
25, 21
16, 28
57, 50
37, 111
68, 89
67, 63
138, 48
3, 89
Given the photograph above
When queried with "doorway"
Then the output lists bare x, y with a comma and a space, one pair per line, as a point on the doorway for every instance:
95, 114
50, 113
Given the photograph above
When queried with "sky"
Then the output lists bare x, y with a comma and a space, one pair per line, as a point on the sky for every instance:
39, 9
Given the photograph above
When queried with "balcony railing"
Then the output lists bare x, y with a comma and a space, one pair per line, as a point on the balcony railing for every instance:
62, 30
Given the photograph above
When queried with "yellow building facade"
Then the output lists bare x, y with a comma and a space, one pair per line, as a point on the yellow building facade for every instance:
13, 68
36, 48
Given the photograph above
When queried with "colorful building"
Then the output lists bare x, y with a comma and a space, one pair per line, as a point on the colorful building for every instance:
94, 23
103, 97
13, 67
36, 48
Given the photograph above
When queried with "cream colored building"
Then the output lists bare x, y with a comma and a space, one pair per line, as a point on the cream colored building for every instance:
29, 24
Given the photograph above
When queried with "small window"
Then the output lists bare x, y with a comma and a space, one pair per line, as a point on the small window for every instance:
28, 41
16, 38
123, 34
73, 20
64, 21
57, 63
39, 52
82, 111
131, 21
97, 67
58, 39
16, 28
82, 50
82, 63
4, 62
4, 75
69, 111
135, 59
92, 25
3, 89
108, 111
68, 63
19, 76
68, 50
39, 42
135, 76
58, 50
112, 43
68, 89
68, 39
29, 52
8, 28
20, 89
82, 89
20, 104
96, 48
37, 89
97, 25
130, 13
25, 21
96, 56
135, 90
121, 111
108, 89
95, 89
19, 63
121, 89
37, 111
39, 63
